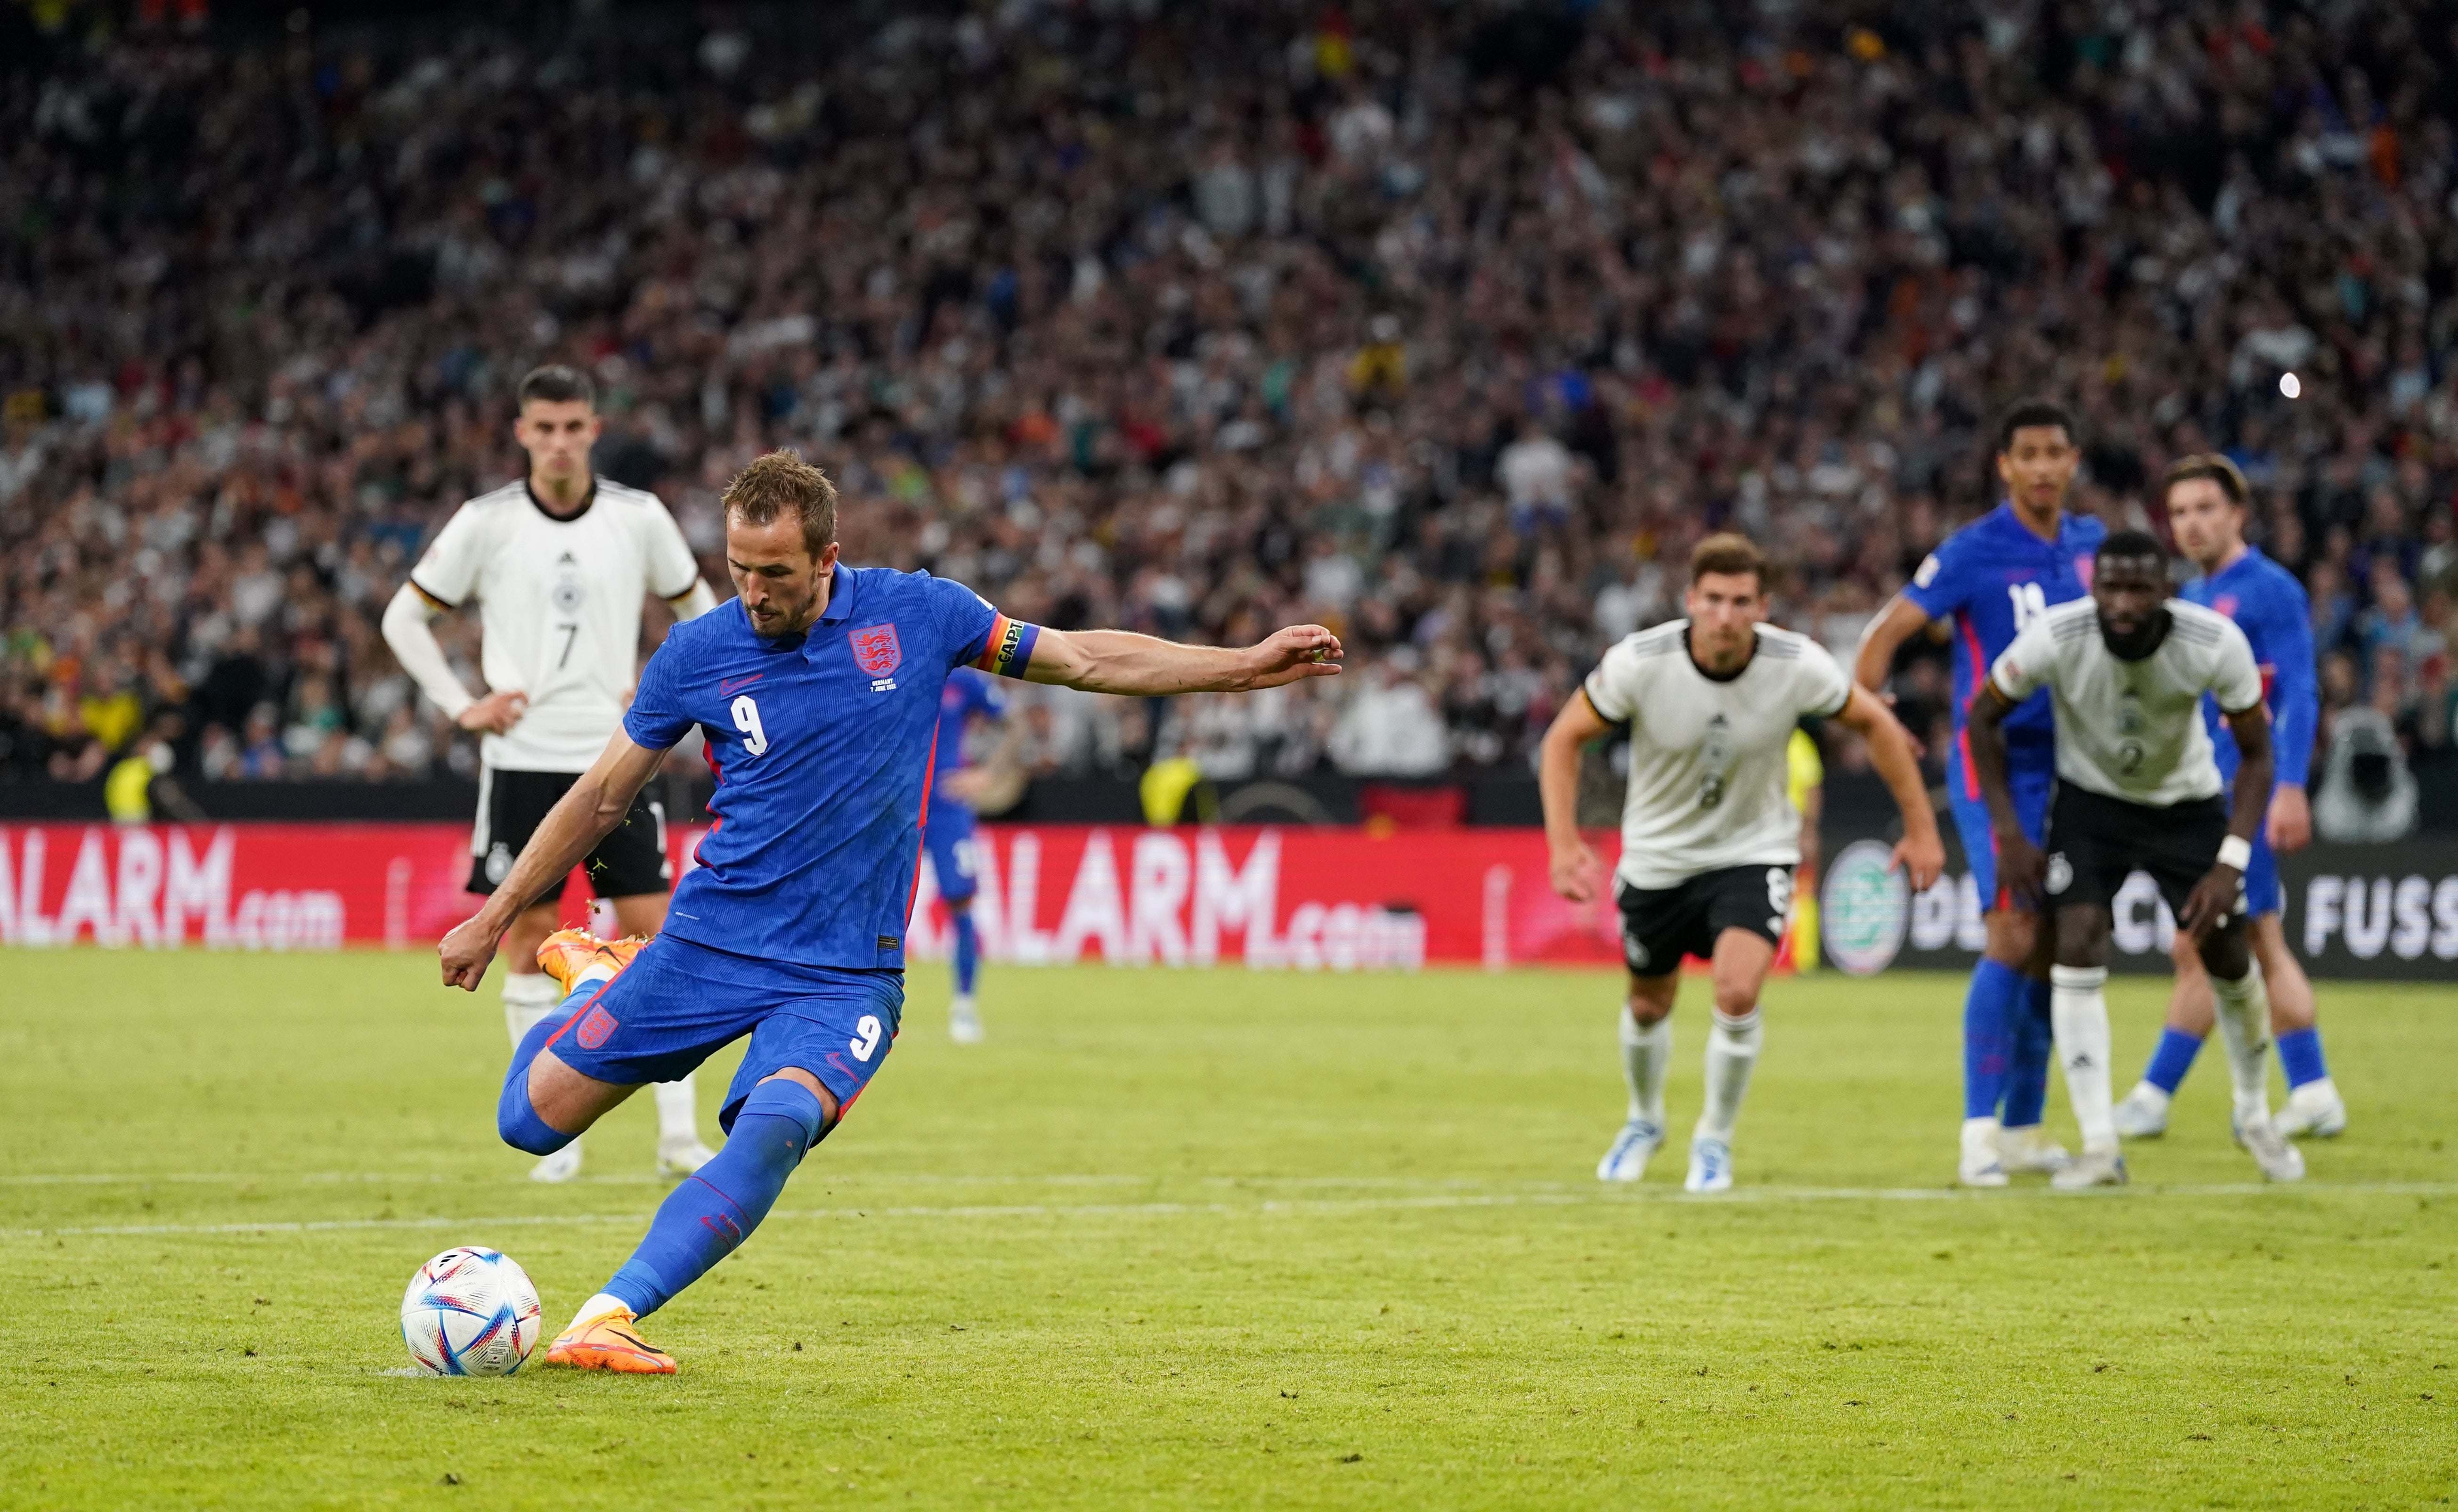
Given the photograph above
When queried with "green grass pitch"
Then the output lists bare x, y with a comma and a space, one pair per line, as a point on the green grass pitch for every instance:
1210, 1239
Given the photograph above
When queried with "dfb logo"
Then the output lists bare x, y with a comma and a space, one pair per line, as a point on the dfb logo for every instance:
876, 650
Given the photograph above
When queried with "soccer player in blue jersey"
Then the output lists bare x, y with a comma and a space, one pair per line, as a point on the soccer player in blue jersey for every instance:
2206, 498
818, 690
1987, 581
949, 836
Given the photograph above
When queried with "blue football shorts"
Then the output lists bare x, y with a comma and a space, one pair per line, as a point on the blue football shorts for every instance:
679, 1002
2032, 778
948, 837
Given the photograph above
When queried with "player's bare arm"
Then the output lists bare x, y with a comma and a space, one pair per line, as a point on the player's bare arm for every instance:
1120, 661
2020, 866
1895, 624
1573, 863
2289, 828
582, 818
1921, 853
2216, 894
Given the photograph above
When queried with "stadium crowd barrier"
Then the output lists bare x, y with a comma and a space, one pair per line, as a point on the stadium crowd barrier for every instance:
1298, 897
2380, 912
1304, 897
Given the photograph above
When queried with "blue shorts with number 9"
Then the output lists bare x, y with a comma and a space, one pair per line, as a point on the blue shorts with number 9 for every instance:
679, 1002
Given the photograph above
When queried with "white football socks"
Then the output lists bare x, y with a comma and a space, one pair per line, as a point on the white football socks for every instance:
2079, 1012
1646, 1055
1732, 1051
677, 1111
2244, 1027
528, 996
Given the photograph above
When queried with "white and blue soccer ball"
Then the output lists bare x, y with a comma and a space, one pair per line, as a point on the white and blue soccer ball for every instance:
470, 1312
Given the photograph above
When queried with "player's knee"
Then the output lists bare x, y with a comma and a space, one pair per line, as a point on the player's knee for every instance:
2082, 937
2014, 937
1736, 999
801, 1117
1650, 999
2224, 954
517, 1120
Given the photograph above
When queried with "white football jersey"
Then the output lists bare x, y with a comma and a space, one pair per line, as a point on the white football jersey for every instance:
559, 609
2133, 730
1707, 769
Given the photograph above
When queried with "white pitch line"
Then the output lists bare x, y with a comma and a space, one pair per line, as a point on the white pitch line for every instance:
840, 1176
1286, 1207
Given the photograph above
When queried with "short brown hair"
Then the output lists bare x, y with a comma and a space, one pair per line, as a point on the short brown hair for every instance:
780, 482
558, 384
2211, 465
1728, 551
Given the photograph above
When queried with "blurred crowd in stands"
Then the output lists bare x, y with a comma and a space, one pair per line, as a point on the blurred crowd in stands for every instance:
1451, 326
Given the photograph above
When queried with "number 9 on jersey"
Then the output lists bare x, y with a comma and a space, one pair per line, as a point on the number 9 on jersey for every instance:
747, 718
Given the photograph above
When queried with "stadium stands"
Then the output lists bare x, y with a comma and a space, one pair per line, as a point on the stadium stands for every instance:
1450, 326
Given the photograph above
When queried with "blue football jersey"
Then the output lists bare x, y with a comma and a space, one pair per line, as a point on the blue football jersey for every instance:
1990, 579
968, 693
821, 746
2270, 607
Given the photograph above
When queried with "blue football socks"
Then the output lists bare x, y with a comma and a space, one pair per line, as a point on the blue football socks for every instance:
2172, 1059
968, 953
708, 1216
1987, 1035
515, 1119
2299, 1056
2027, 1066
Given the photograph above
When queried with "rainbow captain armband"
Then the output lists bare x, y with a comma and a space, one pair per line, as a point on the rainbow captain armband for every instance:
1010, 651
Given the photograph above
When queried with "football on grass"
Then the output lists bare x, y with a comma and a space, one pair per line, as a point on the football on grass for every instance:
470, 1312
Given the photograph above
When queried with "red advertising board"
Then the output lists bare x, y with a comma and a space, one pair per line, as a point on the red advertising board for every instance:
1307, 899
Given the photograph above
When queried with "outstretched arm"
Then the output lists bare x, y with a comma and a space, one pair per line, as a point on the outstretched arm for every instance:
1919, 852
1122, 662
583, 817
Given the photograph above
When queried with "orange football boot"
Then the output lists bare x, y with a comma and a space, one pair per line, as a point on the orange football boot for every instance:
609, 1341
569, 953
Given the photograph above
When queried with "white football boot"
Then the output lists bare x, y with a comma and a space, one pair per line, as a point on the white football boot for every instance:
1711, 1166
2028, 1151
1980, 1164
2278, 1160
682, 1154
2090, 1170
558, 1167
2314, 1110
1627, 1159
2142, 1113
964, 1020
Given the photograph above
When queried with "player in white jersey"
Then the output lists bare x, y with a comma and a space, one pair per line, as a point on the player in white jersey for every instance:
1710, 835
2137, 788
558, 564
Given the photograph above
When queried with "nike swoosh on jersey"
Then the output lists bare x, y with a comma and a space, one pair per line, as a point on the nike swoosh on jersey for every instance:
728, 684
